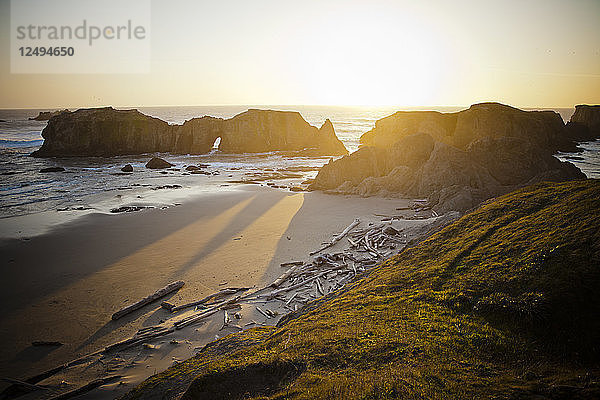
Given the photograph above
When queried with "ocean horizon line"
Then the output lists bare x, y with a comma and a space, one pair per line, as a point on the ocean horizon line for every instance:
349, 106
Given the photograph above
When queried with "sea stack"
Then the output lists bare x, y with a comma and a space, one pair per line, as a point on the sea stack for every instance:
104, 132
110, 132
457, 160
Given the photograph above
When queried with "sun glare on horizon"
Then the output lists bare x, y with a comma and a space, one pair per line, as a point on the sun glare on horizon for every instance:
360, 66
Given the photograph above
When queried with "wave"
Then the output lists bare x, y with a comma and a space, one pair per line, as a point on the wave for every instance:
20, 143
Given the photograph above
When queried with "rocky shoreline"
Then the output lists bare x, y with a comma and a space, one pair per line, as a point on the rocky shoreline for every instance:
455, 160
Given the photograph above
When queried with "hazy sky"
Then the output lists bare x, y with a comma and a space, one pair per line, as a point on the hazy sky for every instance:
536, 53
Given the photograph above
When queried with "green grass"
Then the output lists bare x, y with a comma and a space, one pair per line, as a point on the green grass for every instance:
504, 303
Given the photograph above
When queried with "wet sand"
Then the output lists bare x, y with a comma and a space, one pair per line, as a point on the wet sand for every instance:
65, 284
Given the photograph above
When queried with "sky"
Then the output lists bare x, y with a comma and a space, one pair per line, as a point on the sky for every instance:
527, 53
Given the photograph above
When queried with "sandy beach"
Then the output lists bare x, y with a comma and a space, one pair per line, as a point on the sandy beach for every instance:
64, 285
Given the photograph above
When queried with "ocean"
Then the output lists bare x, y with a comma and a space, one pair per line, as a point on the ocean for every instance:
95, 183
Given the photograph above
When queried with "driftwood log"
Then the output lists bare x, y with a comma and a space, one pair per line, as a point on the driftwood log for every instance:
287, 289
137, 339
285, 275
214, 296
197, 317
338, 237
171, 287
291, 264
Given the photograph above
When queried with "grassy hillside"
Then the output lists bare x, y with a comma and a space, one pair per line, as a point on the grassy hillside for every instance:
504, 303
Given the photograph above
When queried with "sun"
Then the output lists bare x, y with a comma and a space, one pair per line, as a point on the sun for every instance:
367, 60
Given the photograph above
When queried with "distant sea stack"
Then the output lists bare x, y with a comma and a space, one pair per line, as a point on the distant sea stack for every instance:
457, 160
110, 132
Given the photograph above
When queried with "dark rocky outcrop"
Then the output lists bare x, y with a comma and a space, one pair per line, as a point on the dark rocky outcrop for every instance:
457, 160
585, 123
127, 168
104, 132
128, 209
109, 132
158, 163
366, 162
52, 169
46, 115
259, 131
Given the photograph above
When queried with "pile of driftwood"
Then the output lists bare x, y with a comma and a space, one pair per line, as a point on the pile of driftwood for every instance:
422, 210
300, 283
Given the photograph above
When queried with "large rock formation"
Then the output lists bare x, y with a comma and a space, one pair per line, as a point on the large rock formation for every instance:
104, 132
585, 123
456, 160
486, 120
197, 136
108, 132
259, 131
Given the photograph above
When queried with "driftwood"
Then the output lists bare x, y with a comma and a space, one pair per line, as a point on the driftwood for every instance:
226, 319
171, 287
284, 276
262, 312
137, 339
291, 264
87, 387
253, 322
194, 318
271, 313
287, 289
214, 296
233, 326
190, 320
338, 237
372, 251
320, 287
149, 328
287, 303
